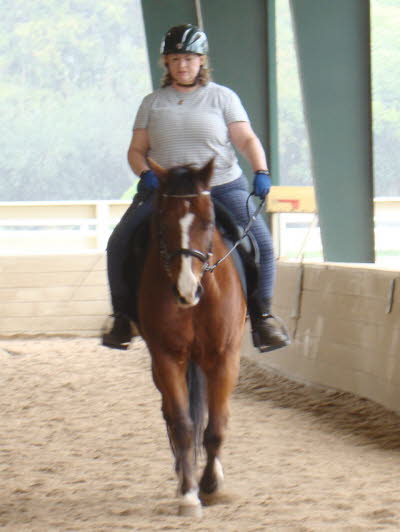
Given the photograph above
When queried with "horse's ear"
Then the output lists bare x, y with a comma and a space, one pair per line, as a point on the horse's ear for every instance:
207, 172
160, 171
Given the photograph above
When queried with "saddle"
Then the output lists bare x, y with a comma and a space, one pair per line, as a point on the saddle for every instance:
245, 256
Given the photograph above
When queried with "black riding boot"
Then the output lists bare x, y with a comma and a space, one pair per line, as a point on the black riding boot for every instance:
268, 331
125, 325
120, 334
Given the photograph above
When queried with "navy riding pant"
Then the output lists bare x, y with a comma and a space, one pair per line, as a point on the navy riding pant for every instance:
233, 196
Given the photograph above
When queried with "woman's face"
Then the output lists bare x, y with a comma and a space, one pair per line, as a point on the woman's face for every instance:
184, 67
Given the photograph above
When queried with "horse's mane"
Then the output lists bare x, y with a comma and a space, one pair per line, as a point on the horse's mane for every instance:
182, 180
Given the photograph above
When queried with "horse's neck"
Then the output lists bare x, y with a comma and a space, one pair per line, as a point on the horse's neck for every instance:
220, 247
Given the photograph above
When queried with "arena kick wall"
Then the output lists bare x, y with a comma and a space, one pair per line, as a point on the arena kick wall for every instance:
344, 319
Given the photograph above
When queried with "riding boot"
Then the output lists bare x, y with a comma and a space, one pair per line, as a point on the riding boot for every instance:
120, 334
267, 336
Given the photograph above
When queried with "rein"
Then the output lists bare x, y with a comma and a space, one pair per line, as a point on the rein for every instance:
200, 255
245, 233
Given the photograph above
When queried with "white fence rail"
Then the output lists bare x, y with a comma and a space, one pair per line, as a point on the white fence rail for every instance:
297, 235
84, 226
57, 227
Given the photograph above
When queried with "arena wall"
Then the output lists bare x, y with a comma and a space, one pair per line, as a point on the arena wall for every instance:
53, 295
344, 319
345, 326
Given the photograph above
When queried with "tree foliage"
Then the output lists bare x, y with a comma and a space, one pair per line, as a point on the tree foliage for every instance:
73, 74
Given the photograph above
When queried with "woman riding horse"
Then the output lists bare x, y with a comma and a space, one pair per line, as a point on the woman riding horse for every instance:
191, 120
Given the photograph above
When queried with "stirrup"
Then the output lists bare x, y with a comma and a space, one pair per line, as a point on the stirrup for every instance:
266, 348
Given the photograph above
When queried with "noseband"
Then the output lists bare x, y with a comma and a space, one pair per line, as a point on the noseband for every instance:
185, 252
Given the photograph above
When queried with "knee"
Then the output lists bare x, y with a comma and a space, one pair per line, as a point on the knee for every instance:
213, 439
182, 430
264, 242
112, 243
118, 239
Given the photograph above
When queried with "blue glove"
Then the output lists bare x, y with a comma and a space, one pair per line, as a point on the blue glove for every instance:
148, 181
261, 184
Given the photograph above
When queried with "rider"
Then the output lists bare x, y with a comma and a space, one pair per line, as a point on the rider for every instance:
189, 120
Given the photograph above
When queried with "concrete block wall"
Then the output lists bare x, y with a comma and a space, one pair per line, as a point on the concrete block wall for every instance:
53, 295
345, 327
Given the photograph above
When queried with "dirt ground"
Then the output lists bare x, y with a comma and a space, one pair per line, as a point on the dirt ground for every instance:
84, 448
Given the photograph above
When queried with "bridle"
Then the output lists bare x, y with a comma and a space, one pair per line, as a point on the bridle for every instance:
200, 255
167, 256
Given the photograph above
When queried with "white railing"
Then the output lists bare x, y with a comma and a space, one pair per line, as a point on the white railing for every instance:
297, 234
84, 226
55, 227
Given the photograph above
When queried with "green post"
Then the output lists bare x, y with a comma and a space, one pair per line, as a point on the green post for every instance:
333, 46
159, 16
273, 97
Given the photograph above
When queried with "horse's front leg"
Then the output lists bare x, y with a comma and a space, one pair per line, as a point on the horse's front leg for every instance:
170, 378
221, 382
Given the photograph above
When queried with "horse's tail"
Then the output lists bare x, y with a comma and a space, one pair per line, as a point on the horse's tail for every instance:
198, 403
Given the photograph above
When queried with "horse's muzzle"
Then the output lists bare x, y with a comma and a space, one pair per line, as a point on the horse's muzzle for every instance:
183, 301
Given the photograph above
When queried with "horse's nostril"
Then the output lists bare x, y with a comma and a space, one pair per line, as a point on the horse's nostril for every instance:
178, 296
199, 291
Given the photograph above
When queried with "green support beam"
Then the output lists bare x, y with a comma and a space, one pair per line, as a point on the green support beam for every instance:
333, 47
159, 16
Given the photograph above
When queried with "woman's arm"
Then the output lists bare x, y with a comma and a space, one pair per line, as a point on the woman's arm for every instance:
249, 145
137, 152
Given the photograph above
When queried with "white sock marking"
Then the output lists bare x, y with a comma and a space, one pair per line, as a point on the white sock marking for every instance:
219, 472
190, 498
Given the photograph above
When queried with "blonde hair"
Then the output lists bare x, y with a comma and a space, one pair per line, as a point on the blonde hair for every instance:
203, 77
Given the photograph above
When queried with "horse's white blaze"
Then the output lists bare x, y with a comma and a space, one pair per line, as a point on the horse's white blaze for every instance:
187, 283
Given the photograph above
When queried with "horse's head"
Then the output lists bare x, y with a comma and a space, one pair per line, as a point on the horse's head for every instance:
185, 225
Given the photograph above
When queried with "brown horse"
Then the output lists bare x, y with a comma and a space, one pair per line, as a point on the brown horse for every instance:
191, 318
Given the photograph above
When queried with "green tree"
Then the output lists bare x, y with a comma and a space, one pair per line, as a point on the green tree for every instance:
385, 15
73, 74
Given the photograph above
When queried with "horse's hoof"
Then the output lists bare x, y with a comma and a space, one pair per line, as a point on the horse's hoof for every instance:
191, 510
210, 483
190, 505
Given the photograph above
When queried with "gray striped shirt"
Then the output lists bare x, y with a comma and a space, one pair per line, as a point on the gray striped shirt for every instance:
191, 128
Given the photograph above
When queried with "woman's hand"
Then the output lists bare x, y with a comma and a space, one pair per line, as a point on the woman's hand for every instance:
261, 183
148, 180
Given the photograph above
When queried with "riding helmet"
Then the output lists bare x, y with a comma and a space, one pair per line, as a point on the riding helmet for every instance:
184, 39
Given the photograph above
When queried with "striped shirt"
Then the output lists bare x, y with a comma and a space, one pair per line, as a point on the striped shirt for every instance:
191, 128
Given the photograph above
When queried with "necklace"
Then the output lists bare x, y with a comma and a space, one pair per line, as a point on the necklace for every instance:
183, 96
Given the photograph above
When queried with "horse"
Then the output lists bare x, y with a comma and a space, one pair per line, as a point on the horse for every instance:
191, 317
